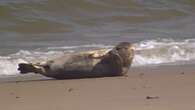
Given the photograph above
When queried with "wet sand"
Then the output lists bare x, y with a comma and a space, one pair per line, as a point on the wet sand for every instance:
149, 88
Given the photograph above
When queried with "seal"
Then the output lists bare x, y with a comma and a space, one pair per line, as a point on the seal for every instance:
96, 63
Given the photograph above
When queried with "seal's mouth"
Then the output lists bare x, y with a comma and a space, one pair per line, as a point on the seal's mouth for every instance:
133, 48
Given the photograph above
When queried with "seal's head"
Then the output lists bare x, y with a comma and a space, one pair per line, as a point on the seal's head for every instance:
125, 53
125, 50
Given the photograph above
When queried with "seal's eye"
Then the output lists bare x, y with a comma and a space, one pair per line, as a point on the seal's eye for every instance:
118, 48
125, 48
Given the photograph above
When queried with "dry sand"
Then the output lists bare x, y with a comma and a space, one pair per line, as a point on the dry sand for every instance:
157, 88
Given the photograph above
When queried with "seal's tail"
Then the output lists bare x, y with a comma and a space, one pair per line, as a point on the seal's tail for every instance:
25, 68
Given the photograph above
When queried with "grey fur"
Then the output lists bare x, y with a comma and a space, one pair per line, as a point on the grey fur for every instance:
115, 62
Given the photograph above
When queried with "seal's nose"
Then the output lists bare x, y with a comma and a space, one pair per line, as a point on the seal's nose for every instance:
133, 48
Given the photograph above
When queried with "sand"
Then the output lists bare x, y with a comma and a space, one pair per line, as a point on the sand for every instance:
156, 88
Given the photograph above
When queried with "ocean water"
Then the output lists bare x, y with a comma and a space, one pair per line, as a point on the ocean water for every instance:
162, 30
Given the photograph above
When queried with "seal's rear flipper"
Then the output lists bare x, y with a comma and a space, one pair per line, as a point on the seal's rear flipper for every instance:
26, 68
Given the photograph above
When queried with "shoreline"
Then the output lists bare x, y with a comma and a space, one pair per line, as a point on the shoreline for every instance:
156, 88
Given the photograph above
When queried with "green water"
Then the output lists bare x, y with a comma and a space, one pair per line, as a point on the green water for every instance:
30, 24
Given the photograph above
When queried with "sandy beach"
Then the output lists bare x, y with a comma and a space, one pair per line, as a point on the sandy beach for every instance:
156, 88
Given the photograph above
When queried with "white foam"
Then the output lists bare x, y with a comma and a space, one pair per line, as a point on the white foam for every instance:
8, 65
164, 51
83, 46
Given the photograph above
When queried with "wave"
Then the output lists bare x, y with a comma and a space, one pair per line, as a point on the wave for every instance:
164, 51
148, 53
